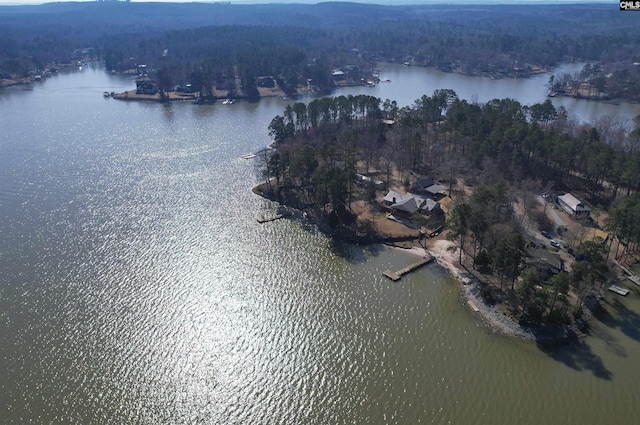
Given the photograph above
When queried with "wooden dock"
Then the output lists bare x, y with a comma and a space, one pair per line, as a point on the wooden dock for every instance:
395, 276
619, 290
473, 306
273, 218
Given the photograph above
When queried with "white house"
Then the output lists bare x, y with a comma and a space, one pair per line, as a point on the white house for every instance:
572, 205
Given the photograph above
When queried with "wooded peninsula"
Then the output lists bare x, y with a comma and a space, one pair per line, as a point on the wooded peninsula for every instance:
541, 211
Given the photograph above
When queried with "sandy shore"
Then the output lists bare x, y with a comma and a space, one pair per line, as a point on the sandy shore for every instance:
447, 256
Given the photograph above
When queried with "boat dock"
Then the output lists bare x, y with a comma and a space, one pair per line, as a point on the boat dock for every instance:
473, 306
273, 218
395, 276
619, 290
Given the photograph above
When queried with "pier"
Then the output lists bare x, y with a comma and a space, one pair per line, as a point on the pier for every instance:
273, 218
395, 276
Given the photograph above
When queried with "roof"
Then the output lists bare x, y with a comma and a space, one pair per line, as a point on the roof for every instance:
424, 182
435, 189
409, 202
431, 205
542, 257
573, 202
403, 201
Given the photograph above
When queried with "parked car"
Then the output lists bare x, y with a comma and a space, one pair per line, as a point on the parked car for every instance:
554, 243
546, 234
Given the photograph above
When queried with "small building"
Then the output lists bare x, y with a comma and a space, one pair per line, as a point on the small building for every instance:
428, 187
338, 75
573, 205
421, 184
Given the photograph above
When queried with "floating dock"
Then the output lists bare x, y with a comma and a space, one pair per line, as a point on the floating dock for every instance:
273, 218
619, 290
395, 276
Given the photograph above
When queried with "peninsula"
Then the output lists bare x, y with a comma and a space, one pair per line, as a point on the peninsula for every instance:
531, 232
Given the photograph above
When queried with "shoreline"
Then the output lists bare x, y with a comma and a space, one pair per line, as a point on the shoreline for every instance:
492, 317
446, 255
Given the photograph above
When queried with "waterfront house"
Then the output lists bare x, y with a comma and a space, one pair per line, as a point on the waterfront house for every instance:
146, 86
404, 203
408, 203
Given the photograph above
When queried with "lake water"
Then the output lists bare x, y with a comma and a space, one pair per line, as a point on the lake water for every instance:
410, 83
136, 287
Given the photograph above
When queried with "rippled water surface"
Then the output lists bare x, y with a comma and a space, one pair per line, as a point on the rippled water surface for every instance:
138, 288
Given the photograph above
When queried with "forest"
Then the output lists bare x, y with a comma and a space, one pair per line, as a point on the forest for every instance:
494, 158
211, 45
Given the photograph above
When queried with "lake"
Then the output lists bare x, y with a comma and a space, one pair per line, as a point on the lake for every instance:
137, 287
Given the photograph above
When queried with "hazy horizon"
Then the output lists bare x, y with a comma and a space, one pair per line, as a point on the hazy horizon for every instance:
382, 2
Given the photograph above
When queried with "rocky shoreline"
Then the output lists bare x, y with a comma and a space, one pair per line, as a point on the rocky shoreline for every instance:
446, 257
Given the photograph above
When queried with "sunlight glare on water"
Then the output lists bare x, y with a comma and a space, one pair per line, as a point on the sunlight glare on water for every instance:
138, 288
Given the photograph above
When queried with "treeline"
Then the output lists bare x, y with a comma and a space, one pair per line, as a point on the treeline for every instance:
296, 43
609, 81
319, 145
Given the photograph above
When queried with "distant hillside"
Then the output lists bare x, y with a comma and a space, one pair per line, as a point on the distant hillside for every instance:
299, 42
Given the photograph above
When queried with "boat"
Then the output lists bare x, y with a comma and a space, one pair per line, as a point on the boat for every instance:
227, 102
248, 156
619, 290
106, 94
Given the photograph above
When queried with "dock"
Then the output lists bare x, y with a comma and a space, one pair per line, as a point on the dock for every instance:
395, 276
273, 217
473, 306
619, 290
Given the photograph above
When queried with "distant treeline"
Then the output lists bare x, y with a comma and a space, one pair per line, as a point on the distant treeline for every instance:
296, 43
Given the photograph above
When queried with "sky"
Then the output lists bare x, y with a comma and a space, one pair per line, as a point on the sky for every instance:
389, 2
